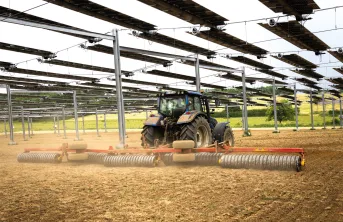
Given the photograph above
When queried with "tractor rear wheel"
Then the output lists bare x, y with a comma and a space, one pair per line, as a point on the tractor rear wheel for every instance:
199, 131
229, 137
150, 134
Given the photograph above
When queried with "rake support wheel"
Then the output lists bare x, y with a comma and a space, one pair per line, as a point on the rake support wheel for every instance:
78, 146
183, 144
77, 156
181, 158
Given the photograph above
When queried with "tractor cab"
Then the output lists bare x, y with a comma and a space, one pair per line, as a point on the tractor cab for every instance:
176, 104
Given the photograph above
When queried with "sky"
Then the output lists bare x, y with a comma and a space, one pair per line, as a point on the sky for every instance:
233, 10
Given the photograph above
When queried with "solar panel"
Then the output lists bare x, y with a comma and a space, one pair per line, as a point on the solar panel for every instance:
269, 81
14, 83
131, 55
314, 87
298, 35
339, 70
50, 74
20, 79
81, 66
272, 73
251, 62
22, 49
170, 75
291, 7
286, 90
338, 81
309, 83
141, 82
237, 78
248, 89
206, 63
229, 41
109, 87
6, 64
306, 81
308, 73
210, 85
337, 55
261, 94
165, 40
297, 61
189, 11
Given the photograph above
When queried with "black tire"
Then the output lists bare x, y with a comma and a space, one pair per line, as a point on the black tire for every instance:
150, 134
195, 130
228, 136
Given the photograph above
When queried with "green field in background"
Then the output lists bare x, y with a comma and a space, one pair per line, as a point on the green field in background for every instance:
136, 120
90, 124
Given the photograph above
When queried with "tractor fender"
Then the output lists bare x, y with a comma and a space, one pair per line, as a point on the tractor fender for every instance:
154, 120
189, 116
218, 131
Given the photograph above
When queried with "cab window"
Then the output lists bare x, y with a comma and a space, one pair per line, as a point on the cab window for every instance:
190, 103
197, 104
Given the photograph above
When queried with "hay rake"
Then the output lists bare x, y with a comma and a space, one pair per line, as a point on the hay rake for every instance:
217, 154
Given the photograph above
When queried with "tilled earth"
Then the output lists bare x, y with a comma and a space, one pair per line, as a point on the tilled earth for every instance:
90, 192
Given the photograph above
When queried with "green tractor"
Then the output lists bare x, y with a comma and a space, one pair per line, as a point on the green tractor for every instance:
184, 116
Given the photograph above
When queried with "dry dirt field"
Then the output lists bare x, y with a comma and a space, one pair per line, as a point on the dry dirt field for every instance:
90, 192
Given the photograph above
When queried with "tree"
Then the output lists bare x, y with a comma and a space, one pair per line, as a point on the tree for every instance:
284, 111
268, 90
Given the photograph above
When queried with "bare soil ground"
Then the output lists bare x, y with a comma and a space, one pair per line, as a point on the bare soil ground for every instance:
90, 192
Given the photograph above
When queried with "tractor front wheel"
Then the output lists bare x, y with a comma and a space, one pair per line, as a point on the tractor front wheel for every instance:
199, 131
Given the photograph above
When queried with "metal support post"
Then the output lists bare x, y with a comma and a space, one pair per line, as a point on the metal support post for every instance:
119, 93
76, 118
333, 115
105, 125
296, 108
340, 113
5, 127
83, 124
10, 117
31, 126
245, 110
243, 122
58, 126
23, 123
311, 107
97, 122
275, 110
28, 127
146, 114
197, 73
324, 123
54, 125
64, 123
227, 113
